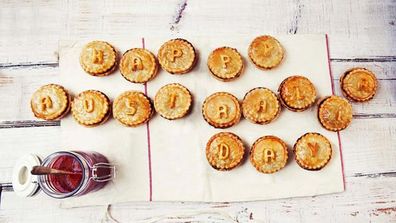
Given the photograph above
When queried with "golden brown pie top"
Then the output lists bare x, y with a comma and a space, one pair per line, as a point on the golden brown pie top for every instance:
132, 108
225, 63
221, 110
313, 151
297, 92
335, 113
266, 52
224, 151
359, 84
260, 105
90, 107
50, 102
138, 65
173, 101
269, 154
98, 58
177, 56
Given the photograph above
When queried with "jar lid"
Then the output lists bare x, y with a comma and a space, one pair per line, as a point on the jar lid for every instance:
24, 183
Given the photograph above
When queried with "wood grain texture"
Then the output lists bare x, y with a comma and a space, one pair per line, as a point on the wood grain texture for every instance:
361, 34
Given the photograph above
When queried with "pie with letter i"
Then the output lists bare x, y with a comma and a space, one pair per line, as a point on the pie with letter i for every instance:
138, 65
269, 154
98, 58
132, 108
312, 151
297, 93
224, 151
91, 108
266, 52
225, 63
221, 110
335, 113
173, 101
177, 56
50, 102
359, 84
261, 105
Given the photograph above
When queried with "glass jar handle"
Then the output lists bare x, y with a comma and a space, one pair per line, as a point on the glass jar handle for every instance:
107, 174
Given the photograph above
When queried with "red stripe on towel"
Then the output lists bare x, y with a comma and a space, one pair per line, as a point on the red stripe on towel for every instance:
148, 141
333, 90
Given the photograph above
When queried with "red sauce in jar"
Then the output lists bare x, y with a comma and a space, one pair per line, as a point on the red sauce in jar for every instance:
65, 183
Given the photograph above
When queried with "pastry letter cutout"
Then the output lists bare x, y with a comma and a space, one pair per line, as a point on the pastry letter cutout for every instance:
136, 64
88, 105
224, 151
222, 111
313, 148
175, 53
97, 56
46, 103
131, 107
226, 59
268, 155
172, 100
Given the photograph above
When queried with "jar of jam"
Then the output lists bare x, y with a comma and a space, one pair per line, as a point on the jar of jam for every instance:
89, 171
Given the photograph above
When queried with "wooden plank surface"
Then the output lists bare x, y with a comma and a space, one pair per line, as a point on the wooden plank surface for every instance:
361, 33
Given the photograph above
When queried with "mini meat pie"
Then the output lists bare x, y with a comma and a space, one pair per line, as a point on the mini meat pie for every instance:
224, 151
297, 93
260, 105
91, 108
335, 113
98, 58
221, 110
269, 154
312, 151
359, 84
50, 102
177, 56
138, 65
132, 108
173, 101
266, 52
225, 63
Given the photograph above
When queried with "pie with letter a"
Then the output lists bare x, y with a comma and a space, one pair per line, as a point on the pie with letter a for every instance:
335, 113
260, 105
359, 84
297, 93
173, 101
312, 151
98, 58
225, 63
224, 151
91, 108
177, 56
132, 108
266, 52
221, 110
50, 102
138, 65
269, 154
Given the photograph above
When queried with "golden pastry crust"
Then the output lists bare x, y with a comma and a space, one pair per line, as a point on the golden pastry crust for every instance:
260, 105
224, 151
221, 110
173, 101
138, 65
91, 108
50, 102
297, 93
98, 58
177, 56
312, 151
225, 63
132, 108
335, 113
266, 52
269, 154
359, 84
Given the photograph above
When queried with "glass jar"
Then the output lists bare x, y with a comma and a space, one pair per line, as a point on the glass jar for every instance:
90, 171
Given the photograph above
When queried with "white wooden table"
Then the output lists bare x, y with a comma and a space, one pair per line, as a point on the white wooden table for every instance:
361, 33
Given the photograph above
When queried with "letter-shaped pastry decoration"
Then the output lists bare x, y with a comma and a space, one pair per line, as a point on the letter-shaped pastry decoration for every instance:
89, 105
222, 111
224, 151
46, 103
268, 155
131, 107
